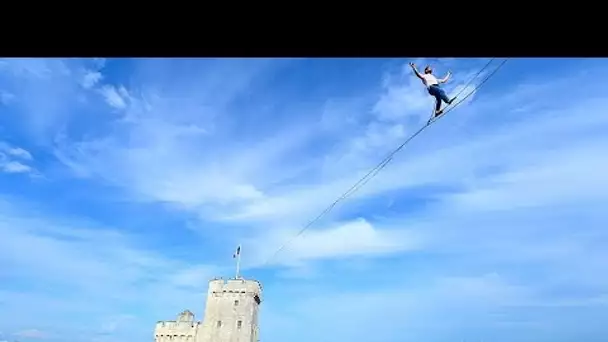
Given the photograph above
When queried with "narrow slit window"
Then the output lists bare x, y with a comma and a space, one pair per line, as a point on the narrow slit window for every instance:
239, 324
236, 303
219, 324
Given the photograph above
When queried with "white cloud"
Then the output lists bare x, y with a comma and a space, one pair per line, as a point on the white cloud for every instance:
19, 153
401, 98
236, 184
447, 308
76, 260
15, 151
348, 239
165, 164
115, 97
575, 176
44, 92
8, 163
91, 78
40, 87
15, 167
32, 333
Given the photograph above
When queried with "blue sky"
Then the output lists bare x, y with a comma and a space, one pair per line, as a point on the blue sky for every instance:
126, 184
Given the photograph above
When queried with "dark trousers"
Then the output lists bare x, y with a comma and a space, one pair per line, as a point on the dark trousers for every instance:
439, 94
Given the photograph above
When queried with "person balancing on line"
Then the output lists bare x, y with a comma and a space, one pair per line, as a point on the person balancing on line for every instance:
434, 88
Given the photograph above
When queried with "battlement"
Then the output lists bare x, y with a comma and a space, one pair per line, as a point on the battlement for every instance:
184, 322
184, 329
175, 325
235, 286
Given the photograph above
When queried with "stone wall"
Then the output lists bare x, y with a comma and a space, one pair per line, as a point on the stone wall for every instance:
231, 315
231, 311
184, 329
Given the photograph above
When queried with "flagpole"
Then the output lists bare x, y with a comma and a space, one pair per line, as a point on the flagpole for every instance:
238, 262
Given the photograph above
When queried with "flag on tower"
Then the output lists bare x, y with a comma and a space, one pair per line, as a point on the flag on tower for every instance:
237, 253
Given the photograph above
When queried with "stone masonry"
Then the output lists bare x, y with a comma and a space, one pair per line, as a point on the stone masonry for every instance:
231, 315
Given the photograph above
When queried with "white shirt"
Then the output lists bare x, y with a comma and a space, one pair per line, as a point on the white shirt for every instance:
429, 80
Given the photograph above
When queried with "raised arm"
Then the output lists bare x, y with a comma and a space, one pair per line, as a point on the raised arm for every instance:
446, 78
415, 71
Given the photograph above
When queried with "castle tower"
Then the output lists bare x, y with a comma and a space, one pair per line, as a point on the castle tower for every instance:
231, 313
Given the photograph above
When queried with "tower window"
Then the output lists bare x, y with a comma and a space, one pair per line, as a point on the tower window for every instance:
236, 303
239, 324
219, 324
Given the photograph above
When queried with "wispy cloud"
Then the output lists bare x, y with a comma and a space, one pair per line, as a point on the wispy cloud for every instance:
13, 159
32, 333
91, 78
116, 274
115, 97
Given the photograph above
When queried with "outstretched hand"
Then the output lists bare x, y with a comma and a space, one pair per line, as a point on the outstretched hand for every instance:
412, 65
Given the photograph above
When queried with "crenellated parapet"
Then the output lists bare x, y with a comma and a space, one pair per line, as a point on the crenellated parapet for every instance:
222, 287
184, 329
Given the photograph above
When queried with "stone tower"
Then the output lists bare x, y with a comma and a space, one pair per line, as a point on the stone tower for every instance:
231, 313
